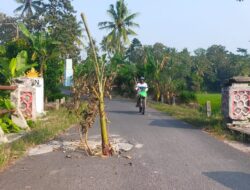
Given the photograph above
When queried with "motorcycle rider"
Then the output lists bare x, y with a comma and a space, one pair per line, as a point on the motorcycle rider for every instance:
141, 85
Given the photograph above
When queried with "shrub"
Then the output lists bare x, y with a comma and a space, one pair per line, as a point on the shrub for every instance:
5, 122
187, 97
8, 126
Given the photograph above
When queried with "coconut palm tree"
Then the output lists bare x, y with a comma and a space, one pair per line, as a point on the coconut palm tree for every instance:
119, 26
28, 7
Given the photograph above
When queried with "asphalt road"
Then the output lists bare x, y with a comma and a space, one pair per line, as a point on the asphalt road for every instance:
174, 156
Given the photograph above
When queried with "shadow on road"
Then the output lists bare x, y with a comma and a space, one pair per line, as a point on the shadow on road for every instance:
171, 123
232, 180
125, 112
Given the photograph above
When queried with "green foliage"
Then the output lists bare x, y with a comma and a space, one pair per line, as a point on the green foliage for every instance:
2, 50
15, 59
187, 97
8, 126
168, 71
52, 96
8, 29
5, 122
125, 80
31, 124
19, 65
60, 41
61, 22
5, 104
43, 45
16, 67
13, 47
52, 79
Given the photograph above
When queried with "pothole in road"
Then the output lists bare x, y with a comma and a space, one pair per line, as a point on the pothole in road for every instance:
118, 144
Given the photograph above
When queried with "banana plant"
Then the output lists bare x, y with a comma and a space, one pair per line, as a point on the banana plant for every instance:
16, 67
43, 45
154, 69
100, 91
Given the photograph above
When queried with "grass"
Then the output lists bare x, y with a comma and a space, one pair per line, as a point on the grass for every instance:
214, 98
42, 131
213, 124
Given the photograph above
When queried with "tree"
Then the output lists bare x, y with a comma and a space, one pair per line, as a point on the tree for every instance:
199, 70
60, 20
99, 89
28, 7
119, 27
15, 67
8, 29
155, 62
135, 51
242, 51
43, 45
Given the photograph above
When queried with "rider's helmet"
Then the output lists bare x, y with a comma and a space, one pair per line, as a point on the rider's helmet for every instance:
142, 79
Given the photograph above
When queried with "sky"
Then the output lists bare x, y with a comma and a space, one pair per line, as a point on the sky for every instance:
180, 24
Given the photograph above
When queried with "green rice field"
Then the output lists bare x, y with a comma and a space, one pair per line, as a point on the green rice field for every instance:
214, 98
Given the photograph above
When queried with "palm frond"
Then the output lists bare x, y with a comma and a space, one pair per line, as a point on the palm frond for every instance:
131, 17
131, 32
18, 8
112, 13
37, 3
131, 24
124, 35
106, 27
26, 7
105, 23
37, 8
20, 1
111, 37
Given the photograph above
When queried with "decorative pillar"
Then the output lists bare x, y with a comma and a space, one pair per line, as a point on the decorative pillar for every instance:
29, 96
236, 103
38, 85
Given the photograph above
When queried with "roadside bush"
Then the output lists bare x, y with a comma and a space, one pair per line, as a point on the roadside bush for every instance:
7, 125
52, 96
187, 97
5, 122
52, 80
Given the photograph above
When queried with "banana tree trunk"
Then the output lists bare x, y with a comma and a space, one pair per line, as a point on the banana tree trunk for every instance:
106, 150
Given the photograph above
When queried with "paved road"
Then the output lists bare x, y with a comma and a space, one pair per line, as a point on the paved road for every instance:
174, 156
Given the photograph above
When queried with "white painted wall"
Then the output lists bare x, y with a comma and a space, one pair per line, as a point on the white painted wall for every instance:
39, 86
68, 73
